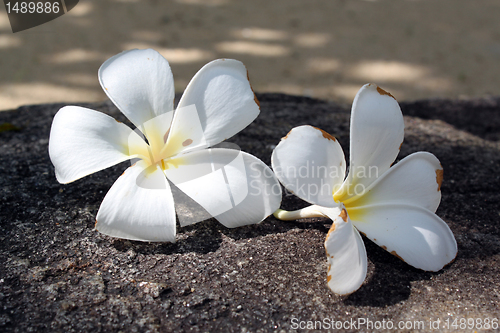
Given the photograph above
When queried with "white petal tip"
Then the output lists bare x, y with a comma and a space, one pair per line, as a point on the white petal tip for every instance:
123, 235
380, 91
346, 255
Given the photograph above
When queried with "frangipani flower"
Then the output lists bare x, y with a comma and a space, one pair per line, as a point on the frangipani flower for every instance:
393, 206
217, 104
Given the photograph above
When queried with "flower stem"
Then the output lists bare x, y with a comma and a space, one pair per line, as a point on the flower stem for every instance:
311, 211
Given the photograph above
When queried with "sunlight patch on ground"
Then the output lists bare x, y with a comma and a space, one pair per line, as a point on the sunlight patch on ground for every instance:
312, 40
176, 55
14, 95
4, 22
75, 56
393, 72
203, 2
388, 71
323, 65
9, 41
253, 48
126, 1
339, 92
82, 9
255, 33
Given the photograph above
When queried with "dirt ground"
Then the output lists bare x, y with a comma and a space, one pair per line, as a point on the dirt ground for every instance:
321, 48
57, 274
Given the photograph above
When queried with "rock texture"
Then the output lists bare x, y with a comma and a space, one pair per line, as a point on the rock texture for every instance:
59, 275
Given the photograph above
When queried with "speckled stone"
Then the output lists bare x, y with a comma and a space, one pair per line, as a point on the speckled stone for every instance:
57, 274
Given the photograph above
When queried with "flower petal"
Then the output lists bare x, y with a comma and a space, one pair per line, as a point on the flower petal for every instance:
186, 133
377, 131
139, 206
414, 234
346, 254
140, 84
224, 100
415, 180
84, 141
310, 163
234, 187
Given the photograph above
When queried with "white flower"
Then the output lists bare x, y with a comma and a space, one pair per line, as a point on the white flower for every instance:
392, 206
217, 104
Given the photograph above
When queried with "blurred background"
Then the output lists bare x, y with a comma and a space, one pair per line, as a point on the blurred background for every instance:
320, 48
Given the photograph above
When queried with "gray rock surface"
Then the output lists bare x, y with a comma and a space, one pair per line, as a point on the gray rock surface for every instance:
57, 274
